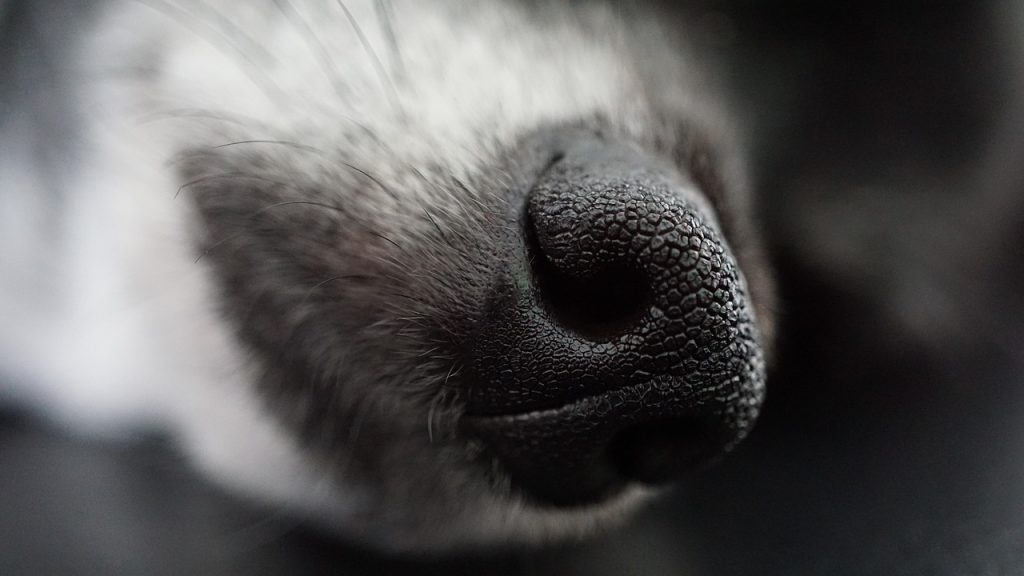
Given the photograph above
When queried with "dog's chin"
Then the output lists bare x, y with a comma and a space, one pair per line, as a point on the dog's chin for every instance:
524, 521
493, 519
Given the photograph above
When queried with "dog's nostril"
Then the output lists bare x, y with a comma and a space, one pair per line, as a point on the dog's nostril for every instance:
659, 452
599, 307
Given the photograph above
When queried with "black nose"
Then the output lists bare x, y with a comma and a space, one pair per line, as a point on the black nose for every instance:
623, 348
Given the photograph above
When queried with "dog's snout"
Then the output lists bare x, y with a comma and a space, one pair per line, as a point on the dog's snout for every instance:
624, 347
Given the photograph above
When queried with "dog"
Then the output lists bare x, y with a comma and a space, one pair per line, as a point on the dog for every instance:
383, 263
435, 274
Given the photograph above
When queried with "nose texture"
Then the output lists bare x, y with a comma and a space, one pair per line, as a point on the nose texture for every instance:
622, 347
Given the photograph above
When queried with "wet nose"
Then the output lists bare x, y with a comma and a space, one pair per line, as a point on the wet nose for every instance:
623, 349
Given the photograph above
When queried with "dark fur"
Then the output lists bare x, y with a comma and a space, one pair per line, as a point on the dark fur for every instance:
330, 273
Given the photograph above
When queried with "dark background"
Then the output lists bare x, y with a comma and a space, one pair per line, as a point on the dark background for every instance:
887, 138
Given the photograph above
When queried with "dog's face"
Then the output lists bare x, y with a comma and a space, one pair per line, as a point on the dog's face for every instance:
489, 261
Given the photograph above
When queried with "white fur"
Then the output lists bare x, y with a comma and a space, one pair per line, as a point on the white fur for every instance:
114, 328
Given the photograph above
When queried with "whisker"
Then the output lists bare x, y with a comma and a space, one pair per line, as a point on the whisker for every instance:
270, 89
301, 203
247, 176
386, 19
436, 226
385, 79
202, 179
294, 145
451, 372
319, 285
197, 114
234, 31
383, 237
330, 69
430, 417
371, 178
280, 142
376, 181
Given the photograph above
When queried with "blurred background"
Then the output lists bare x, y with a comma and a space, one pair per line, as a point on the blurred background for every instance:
888, 148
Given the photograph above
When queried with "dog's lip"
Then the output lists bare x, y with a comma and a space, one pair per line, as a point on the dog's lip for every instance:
561, 409
604, 414
574, 442
658, 389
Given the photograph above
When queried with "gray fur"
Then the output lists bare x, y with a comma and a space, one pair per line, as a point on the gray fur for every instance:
349, 241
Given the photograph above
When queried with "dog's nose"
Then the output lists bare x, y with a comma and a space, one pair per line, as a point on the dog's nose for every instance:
624, 348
